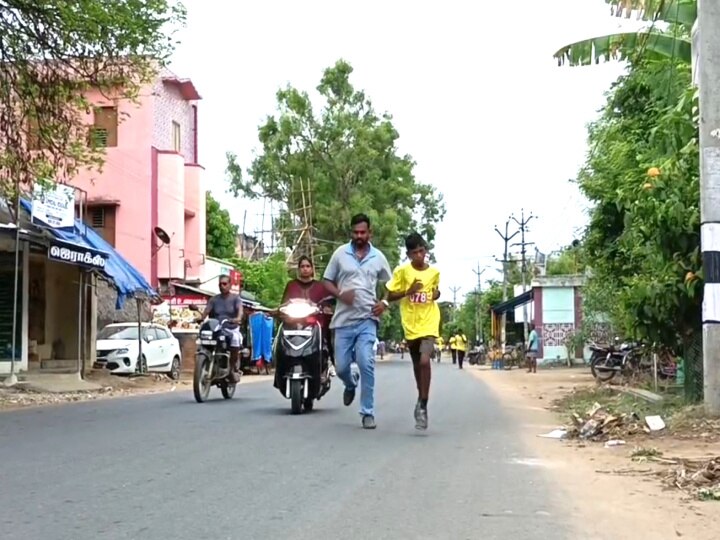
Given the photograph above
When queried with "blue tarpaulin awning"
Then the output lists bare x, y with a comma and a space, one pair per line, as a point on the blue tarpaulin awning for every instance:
85, 247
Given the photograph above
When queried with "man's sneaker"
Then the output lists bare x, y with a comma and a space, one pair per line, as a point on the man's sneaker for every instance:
417, 409
348, 397
368, 422
331, 371
421, 418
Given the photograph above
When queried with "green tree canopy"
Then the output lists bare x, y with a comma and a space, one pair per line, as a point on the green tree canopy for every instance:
221, 231
344, 157
266, 279
643, 238
51, 54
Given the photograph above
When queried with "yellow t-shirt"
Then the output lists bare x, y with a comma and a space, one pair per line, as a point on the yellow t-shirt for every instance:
461, 342
420, 313
452, 344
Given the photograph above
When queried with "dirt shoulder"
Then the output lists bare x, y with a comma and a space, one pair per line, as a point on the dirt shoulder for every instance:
607, 494
110, 386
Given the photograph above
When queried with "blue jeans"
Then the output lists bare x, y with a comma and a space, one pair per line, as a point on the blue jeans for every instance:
355, 342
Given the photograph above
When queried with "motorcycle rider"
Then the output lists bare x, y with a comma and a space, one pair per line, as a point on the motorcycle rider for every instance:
228, 306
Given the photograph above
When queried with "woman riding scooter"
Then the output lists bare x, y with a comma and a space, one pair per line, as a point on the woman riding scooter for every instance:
305, 286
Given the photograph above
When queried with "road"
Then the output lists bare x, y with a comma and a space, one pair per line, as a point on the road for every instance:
164, 467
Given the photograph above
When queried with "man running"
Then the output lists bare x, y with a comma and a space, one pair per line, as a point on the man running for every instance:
352, 276
416, 284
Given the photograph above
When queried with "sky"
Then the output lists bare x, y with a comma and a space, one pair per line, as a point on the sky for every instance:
476, 95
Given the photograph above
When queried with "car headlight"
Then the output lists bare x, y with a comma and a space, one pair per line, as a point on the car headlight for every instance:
122, 351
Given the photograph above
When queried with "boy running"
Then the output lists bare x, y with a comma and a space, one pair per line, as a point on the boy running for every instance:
416, 284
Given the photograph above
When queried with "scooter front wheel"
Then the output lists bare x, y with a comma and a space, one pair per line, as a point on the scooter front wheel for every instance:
296, 396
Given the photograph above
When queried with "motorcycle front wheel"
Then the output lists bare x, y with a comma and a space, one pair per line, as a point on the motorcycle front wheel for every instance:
202, 378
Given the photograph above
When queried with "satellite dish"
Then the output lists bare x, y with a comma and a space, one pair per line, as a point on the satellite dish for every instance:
162, 235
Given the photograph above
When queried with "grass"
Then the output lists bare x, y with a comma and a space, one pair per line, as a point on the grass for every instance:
616, 403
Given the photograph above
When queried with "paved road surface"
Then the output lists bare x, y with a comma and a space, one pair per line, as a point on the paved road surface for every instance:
163, 467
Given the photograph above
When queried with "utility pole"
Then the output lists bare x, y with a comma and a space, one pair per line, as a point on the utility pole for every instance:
523, 252
478, 315
506, 240
454, 291
708, 64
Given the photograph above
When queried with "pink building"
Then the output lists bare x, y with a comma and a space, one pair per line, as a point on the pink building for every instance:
151, 178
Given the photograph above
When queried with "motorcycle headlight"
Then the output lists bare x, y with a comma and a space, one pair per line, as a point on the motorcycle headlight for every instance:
206, 334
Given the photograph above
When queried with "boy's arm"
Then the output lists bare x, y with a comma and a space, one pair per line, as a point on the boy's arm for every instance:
436, 287
396, 286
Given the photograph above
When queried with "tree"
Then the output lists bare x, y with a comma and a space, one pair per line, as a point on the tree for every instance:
221, 232
51, 55
643, 237
348, 156
571, 260
266, 279
476, 304
668, 36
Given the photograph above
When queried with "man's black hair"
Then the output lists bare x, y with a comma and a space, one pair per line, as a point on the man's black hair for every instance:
414, 241
359, 218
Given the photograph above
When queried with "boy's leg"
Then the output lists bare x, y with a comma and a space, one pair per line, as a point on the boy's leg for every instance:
414, 349
425, 348
344, 339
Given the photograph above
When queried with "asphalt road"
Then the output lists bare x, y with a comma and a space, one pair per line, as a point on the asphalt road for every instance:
164, 467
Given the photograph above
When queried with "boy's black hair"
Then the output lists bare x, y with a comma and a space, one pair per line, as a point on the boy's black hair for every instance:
414, 241
359, 218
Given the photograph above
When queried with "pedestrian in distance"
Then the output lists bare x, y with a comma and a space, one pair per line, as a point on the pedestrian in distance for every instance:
352, 276
416, 285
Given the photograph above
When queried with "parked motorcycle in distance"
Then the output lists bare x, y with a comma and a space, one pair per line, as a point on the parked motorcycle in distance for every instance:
606, 362
212, 360
302, 357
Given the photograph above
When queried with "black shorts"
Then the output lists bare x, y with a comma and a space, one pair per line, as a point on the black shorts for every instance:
418, 347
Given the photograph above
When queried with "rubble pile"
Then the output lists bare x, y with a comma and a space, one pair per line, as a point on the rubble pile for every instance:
599, 425
697, 477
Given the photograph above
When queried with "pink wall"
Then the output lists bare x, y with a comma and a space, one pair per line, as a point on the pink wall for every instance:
125, 178
151, 184
194, 220
171, 213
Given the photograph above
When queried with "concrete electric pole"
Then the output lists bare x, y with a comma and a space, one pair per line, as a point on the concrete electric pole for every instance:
708, 68
523, 223
478, 315
506, 240
454, 291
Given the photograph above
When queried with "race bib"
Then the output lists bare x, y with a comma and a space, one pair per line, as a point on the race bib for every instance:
419, 298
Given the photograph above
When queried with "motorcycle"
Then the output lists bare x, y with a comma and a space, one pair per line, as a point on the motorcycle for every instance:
302, 356
607, 362
212, 360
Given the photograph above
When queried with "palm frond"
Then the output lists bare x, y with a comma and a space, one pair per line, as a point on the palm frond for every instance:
683, 12
622, 46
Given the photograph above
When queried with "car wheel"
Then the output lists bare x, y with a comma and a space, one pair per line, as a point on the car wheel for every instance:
175, 369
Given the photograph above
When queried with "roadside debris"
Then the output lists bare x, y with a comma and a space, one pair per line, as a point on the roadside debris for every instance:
599, 425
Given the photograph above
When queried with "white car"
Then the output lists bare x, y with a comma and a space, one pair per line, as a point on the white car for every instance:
117, 349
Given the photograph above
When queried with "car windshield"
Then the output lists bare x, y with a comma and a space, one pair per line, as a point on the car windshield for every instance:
118, 332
